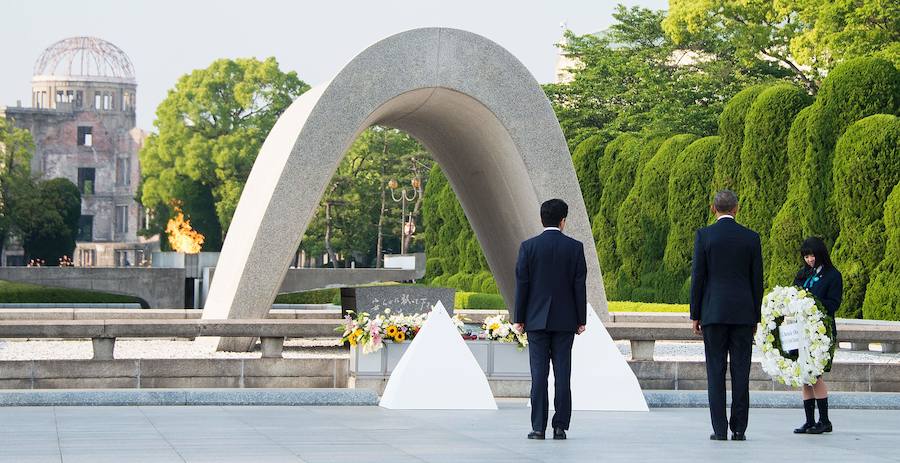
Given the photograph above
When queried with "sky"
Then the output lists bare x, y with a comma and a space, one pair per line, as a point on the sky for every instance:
166, 39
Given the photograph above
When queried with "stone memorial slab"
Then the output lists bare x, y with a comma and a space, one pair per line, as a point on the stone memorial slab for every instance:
399, 298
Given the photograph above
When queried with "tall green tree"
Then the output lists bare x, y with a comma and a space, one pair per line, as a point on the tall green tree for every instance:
866, 170
643, 225
882, 301
357, 217
47, 214
210, 129
727, 173
688, 209
839, 30
783, 258
634, 77
764, 156
586, 159
623, 155
807, 37
16, 149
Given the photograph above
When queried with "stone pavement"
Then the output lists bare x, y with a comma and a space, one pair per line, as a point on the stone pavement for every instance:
347, 434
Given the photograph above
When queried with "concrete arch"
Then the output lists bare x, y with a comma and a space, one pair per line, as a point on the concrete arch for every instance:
472, 104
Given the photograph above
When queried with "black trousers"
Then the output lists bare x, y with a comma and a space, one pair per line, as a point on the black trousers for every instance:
722, 342
544, 346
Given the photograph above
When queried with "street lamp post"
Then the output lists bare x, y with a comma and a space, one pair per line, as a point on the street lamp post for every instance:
407, 228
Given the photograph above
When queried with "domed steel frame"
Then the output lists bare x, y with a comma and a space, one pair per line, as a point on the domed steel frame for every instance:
85, 57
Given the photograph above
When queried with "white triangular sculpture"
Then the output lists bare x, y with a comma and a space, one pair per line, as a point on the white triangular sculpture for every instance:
438, 371
601, 378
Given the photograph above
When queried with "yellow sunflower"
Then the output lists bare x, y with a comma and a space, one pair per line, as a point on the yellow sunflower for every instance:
399, 337
391, 331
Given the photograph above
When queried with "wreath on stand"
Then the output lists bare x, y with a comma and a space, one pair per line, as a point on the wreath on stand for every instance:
795, 336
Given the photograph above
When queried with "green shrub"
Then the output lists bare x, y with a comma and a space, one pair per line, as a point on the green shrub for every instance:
855, 89
485, 283
764, 157
586, 159
866, 169
731, 130
688, 210
643, 225
319, 296
619, 182
882, 300
783, 253
434, 266
471, 300
450, 239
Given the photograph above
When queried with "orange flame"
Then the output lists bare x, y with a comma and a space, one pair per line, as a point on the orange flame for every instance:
182, 237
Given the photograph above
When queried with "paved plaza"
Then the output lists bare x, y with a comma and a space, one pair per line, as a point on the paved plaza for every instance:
348, 434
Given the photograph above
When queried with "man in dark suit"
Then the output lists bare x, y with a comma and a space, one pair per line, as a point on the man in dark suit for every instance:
551, 305
726, 298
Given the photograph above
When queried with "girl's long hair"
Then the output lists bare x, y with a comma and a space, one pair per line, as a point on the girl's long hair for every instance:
816, 247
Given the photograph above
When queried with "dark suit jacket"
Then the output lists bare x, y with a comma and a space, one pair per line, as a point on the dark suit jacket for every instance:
550, 283
726, 275
829, 288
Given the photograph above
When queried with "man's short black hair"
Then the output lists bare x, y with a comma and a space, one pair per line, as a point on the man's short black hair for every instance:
553, 212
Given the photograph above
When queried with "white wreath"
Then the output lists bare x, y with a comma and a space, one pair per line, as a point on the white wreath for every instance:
814, 353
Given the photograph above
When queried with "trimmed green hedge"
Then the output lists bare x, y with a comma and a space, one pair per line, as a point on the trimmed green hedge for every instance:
764, 157
630, 306
783, 258
688, 210
731, 130
855, 89
319, 296
882, 300
643, 224
12, 292
586, 159
624, 162
467, 300
866, 169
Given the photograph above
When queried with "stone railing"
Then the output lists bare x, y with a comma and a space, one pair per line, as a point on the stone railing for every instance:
643, 336
103, 333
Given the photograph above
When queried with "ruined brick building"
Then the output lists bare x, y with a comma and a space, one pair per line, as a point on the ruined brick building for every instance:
82, 118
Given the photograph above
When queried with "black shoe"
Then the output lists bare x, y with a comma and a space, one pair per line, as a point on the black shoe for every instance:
536, 435
559, 434
804, 428
819, 428
717, 437
738, 436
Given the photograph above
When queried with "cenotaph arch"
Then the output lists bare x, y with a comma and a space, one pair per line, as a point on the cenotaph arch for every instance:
470, 102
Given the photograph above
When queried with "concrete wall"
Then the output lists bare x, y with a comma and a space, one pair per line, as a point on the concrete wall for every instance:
656, 375
173, 373
161, 288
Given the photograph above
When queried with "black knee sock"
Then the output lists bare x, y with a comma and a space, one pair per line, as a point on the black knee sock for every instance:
809, 406
823, 409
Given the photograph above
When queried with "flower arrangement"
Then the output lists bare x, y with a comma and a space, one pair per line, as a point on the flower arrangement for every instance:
496, 328
372, 332
816, 346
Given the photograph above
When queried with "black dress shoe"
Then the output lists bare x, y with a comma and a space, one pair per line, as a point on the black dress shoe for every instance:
559, 434
738, 436
819, 428
717, 437
536, 435
804, 428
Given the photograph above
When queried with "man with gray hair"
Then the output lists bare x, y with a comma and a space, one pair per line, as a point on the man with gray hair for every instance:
726, 299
